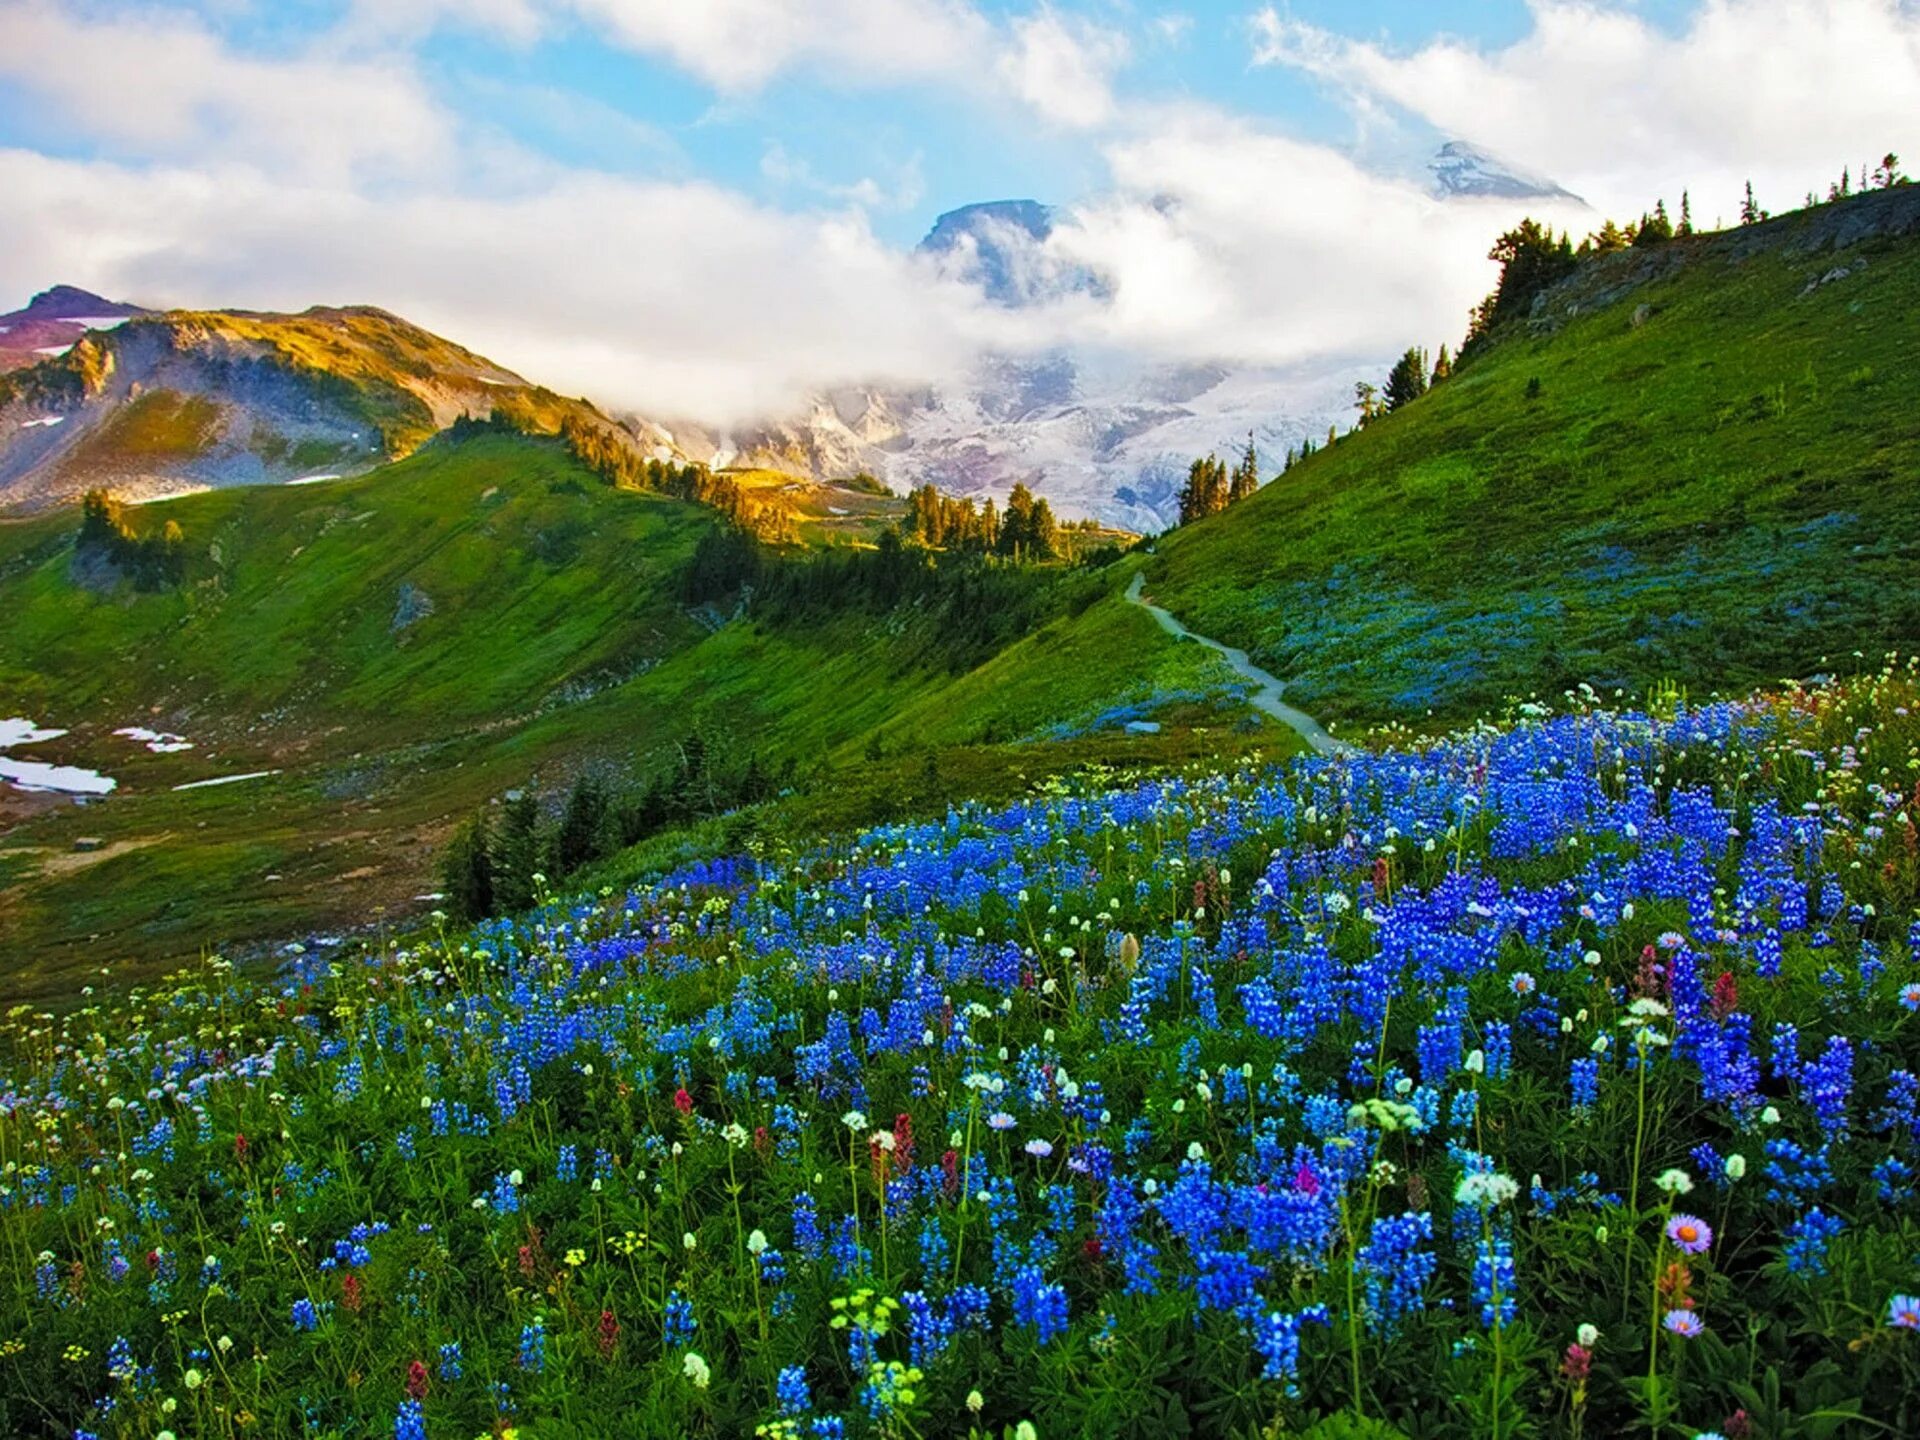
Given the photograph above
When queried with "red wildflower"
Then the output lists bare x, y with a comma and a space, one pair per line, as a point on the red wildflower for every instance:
350, 1295
950, 1173
682, 1101
526, 1261
1093, 1249
903, 1142
1726, 995
609, 1334
1737, 1426
417, 1380
1306, 1182
1578, 1363
762, 1142
1380, 876
240, 1148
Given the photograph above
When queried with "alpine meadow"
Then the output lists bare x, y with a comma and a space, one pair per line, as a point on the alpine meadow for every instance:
1277, 798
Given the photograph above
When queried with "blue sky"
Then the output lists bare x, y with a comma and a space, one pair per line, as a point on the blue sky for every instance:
709, 205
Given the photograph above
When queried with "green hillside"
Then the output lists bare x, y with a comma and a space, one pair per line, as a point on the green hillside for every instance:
1697, 461
406, 646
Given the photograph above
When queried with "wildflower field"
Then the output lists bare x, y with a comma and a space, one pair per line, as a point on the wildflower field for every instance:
1554, 1077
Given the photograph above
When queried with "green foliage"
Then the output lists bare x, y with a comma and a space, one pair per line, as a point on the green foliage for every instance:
1531, 260
467, 873
150, 561
1713, 494
1408, 379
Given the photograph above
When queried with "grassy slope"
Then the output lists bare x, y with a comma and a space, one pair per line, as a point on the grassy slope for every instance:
1722, 494
555, 640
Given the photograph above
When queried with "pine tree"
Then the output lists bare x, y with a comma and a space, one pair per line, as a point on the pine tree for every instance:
1654, 229
1442, 366
1686, 215
1750, 211
1246, 475
1206, 491
1609, 237
516, 854
1888, 175
1407, 381
1366, 399
467, 872
1043, 531
583, 827
1016, 528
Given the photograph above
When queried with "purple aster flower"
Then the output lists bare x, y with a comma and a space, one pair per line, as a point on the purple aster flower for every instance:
1690, 1233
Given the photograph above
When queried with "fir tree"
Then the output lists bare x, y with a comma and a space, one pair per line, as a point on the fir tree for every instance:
1246, 475
1442, 366
1686, 215
1407, 381
516, 854
467, 872
1750, 211
582, 838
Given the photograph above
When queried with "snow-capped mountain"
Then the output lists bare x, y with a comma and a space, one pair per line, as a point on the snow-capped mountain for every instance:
1461, 169
1000, 245
1099, 437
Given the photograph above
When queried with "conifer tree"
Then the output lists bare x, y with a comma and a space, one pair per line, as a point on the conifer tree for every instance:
1246, 475
1043, 531
1686, 215
583, 827
516, 854
1750, 211
1442, 366
467, 872
1407, 381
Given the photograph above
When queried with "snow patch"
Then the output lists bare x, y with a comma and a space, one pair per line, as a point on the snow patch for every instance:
95, 322
52, 349
59, 779
224, 780
35, 774
311, 479
43, 420
17, 731
158, 741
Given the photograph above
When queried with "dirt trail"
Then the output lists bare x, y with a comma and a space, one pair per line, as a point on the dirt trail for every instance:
1268, 688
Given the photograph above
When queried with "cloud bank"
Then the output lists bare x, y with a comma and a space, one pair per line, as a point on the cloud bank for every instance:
333, 174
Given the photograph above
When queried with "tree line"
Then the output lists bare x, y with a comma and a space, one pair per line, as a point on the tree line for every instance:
1211, 487
151, 561
496, 865
612, 455
1532, 259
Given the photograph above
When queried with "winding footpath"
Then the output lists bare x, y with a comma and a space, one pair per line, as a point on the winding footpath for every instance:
1268, 688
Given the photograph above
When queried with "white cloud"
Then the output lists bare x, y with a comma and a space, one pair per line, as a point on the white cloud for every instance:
159, 86
736, 46
670, 299
1063, 67
1227, 242
1780, 91
901, 191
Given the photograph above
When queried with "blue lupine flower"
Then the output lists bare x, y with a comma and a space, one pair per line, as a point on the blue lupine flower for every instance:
790, 1391
680, 1322
532, 1355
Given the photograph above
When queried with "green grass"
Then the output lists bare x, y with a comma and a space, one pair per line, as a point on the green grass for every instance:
556, 640
1724, 491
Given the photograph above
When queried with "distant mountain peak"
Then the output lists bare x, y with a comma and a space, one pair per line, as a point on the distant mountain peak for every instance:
1461, 168
1001, 245
61, 302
